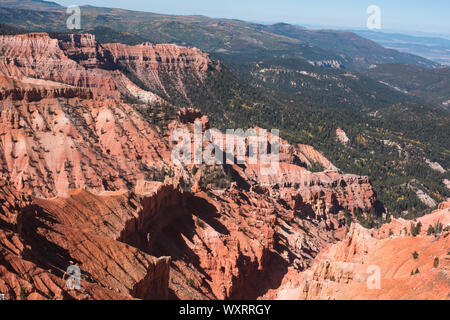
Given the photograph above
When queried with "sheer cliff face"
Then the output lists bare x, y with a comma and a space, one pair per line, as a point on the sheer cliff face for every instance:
222, 245
56, 138
164, 68
37, 247
84, 49
39, 56
76, 60
163, 57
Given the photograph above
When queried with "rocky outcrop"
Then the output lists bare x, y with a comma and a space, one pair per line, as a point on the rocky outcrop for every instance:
76, 60
402, 227
444, 205
39, 56
311, 157
167, 57
326, 63
37, 246
327, 192
101, 234
435, 166
223, 245
165, 69
375, 264
341, 136
54, 137
447, 183
425, 198
34, 90
190, 115
421, 191
86, 51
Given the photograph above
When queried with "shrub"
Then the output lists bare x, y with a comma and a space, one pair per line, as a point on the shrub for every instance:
190, 282
200, 223
436, 262
416, 229
23, 294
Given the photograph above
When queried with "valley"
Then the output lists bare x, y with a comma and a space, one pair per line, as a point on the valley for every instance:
88, 178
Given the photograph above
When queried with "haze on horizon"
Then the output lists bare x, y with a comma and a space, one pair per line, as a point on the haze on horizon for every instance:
412, 16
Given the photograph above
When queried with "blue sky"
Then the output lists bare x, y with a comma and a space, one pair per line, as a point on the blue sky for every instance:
412, 15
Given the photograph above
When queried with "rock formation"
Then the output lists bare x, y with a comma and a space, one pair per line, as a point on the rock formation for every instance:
447, 183
87, 180
341, 136
76, 60
37, 246
62, 140
409, 266
151, 63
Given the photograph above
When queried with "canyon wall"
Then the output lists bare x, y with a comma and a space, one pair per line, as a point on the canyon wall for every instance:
87, 156
166, 69
37, 247
410, 266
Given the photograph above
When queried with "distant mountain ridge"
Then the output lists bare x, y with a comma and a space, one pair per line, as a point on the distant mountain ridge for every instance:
31, 4
365, 51
230, 38
433, 48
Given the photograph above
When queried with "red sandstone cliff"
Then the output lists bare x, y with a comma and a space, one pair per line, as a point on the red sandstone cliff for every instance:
152, 63
226, 243
37, 246
77, 60
82, 163
411, 267
61, 139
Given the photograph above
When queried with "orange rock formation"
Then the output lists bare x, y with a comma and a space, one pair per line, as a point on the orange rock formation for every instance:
411, 267
87, 179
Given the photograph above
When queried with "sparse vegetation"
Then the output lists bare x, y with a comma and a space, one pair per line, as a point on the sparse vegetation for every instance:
23, 294
436, 262
190, 282
416, 229
199, 223
215, 177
